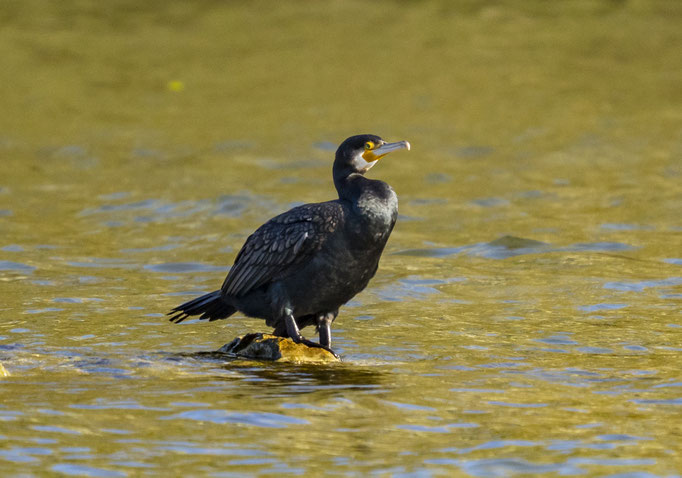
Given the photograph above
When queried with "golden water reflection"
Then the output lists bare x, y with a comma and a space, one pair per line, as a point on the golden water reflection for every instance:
526, 315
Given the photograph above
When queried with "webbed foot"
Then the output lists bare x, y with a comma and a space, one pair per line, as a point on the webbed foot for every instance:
310, 343
295, 334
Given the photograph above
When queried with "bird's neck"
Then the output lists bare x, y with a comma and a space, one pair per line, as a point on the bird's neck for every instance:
350, 187
371, 199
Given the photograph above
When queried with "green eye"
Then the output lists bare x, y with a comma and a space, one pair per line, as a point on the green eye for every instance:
369, 145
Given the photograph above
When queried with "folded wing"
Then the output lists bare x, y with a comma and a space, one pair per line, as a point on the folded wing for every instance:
281, 246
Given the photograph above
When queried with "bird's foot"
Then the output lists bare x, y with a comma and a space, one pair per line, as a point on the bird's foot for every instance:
310, 343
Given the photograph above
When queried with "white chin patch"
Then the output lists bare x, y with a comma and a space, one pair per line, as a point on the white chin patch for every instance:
361, 165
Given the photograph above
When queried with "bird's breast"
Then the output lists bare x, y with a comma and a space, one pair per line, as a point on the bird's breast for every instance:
378, 213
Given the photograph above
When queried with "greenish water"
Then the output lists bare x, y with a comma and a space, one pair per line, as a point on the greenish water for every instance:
525, 318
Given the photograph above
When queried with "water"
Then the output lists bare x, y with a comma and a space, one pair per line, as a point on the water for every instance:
526, 315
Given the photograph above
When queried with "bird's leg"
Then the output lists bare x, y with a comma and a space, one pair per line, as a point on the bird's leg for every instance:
291, 326
325, 331
295, 333
324, 322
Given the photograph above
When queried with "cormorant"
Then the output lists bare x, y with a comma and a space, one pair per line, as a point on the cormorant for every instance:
298, 268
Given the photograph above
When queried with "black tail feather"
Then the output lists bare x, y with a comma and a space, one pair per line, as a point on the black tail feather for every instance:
210, 306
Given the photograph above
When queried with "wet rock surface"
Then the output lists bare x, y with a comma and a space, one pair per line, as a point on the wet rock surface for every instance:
259, 346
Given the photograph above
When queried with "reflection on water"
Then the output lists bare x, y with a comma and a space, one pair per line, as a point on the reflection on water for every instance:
525, 318
509, 246
295, 379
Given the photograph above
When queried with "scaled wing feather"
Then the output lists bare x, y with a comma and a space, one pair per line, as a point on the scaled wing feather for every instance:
280, 246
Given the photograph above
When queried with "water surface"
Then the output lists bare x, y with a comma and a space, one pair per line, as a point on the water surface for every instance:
525, 318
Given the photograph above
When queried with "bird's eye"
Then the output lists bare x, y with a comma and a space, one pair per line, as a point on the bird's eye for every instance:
369, 145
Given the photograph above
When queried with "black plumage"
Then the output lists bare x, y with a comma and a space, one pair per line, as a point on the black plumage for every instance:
298, 268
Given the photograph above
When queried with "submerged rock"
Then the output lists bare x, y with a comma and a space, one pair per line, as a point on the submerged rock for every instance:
279, 349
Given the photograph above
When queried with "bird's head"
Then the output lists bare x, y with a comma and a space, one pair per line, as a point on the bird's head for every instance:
358, 154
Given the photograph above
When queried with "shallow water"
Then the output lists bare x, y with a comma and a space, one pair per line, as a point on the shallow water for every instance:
525, 318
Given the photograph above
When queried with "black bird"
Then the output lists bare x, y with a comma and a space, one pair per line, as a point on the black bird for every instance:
298, 268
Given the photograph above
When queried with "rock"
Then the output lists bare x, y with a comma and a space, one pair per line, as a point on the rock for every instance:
278, 349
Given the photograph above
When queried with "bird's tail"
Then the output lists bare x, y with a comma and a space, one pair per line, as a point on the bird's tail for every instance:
210, 306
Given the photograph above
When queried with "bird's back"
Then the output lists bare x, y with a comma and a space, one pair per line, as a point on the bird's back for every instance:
283, 245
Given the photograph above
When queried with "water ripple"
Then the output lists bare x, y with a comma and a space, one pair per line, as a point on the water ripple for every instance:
257, 419
639, 286
184, 267
502, 467
511, 246
16, 267
72, 469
